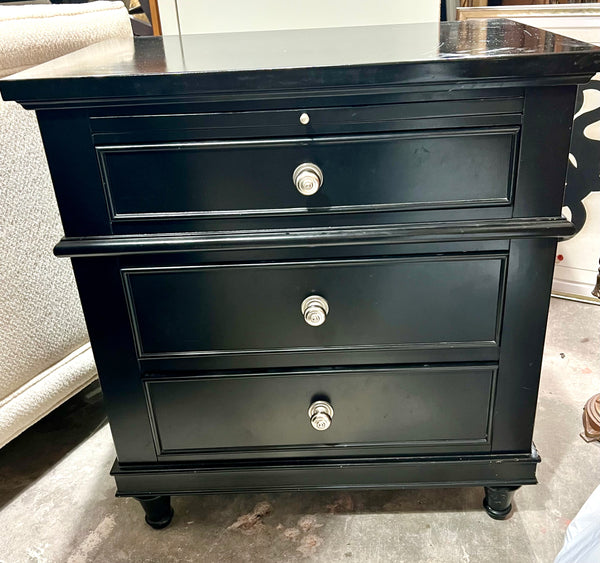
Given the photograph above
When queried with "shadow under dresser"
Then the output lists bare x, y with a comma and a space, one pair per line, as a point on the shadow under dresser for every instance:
315, 259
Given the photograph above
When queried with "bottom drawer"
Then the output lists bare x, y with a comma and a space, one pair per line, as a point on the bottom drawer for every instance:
432, 407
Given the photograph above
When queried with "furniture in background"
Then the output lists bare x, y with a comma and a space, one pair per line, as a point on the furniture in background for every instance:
579, 21
302, 286
144, 17
184, 17
576, 269
521, 3
449, 7
45, 356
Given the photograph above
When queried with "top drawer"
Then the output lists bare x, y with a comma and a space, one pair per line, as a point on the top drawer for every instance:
214, 171
333, 174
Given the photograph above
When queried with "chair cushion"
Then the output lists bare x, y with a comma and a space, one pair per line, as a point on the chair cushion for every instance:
33, 34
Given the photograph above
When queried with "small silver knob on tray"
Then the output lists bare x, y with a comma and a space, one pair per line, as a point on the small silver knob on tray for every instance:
321, 415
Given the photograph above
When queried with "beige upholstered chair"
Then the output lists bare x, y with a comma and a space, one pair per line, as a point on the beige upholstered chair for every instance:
45, 356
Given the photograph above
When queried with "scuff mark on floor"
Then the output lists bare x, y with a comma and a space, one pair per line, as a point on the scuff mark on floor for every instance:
341, 505
291, 533
251, 523
309, 544
308, 522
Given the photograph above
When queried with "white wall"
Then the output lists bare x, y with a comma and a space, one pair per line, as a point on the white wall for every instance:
218, 16
575, 272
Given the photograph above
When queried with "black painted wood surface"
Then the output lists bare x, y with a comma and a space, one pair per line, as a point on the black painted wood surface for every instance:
361, 173
329, 474
466, 54
378, 406
374, 303
417, 235
444, 152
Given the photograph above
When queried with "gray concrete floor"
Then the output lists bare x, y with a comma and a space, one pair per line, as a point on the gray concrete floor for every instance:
57, 499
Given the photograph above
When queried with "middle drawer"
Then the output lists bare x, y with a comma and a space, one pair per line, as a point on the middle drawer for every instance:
296, 311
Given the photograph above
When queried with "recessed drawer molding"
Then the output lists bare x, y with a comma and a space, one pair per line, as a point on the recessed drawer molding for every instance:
368, 304
385, 407
361, 173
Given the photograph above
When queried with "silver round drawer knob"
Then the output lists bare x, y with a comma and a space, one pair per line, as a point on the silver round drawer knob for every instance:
315, 309
320, 414
304, 118
308, 178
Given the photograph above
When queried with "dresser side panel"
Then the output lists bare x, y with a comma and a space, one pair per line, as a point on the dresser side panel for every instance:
75, 173
530, 266
543, 158
105, 312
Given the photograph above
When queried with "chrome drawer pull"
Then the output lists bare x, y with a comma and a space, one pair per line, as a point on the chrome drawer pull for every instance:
315, 310
308, 178
304, 118
320, 414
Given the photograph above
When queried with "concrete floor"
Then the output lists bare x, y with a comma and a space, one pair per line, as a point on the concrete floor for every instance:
57, 503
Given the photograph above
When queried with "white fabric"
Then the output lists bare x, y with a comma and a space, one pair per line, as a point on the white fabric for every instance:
582, 541
40, 315
30, 35
45, 392
44, 350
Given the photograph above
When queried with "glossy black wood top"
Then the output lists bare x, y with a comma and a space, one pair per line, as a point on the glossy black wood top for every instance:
475, 52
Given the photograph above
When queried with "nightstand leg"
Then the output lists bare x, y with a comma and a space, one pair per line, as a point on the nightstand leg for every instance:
159, 512
498, 501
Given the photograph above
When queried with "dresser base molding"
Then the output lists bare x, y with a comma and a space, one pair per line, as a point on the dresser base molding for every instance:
501, 475
379, 473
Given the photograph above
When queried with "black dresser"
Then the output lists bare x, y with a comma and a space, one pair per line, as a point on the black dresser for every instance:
315, 259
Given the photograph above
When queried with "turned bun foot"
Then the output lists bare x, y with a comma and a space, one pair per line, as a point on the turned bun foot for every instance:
498, 501
159, 512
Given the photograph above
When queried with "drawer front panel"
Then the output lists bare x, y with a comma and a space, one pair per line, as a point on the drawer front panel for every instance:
399, 407
383, 303
360, 173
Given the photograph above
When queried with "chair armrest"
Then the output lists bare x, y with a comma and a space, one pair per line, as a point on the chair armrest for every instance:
33, 34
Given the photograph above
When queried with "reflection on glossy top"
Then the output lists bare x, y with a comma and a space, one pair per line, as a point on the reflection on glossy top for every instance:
428, 42
409, 57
